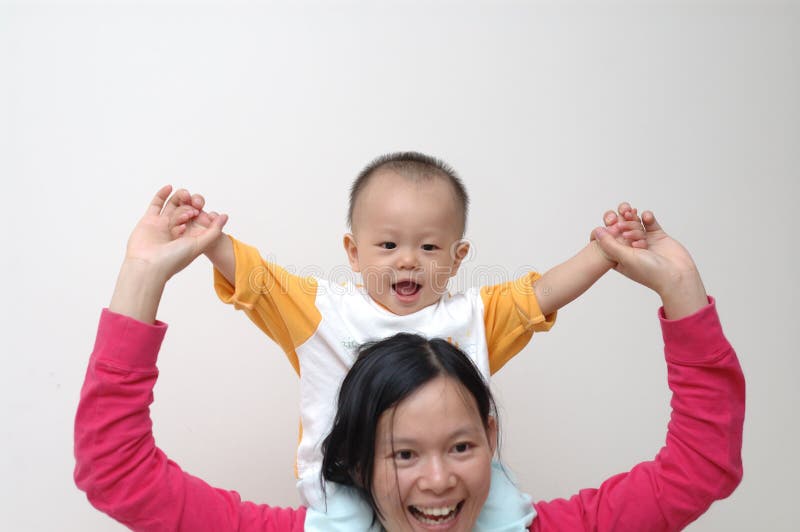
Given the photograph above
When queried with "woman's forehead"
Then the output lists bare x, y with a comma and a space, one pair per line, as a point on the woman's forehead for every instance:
440, 409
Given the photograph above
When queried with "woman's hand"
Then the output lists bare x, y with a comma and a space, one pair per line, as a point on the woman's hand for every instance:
665, 267
163, 243
166, 239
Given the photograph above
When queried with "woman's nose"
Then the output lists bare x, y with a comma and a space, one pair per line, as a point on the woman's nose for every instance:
436, 477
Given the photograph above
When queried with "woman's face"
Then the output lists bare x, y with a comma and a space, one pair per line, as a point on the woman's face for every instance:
433, 459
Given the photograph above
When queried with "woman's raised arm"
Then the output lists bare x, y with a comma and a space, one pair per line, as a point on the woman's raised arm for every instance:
118, 464
701, 460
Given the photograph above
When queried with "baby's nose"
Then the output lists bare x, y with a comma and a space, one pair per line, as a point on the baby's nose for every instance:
407, 259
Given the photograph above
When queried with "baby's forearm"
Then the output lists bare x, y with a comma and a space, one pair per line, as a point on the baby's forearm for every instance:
220, 253
565, 282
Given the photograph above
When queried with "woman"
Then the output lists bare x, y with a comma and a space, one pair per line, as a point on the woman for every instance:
428, 442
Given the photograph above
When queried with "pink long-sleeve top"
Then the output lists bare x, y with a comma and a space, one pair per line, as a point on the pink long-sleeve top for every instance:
125, 474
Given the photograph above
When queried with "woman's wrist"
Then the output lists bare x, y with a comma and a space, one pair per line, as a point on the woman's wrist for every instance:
683, 295
138, 290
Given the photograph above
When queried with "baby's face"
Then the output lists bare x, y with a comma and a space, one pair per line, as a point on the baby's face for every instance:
406, 240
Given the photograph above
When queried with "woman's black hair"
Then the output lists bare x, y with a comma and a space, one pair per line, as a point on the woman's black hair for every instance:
385, 373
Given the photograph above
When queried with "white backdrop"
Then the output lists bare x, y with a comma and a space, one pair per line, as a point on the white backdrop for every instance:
551, 112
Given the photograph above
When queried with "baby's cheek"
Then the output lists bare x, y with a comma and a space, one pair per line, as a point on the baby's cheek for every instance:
439, 277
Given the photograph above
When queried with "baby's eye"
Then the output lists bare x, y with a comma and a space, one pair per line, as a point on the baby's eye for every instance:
388, 245
462, 447
429, 247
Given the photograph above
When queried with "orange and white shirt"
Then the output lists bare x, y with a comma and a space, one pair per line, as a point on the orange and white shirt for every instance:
319, 324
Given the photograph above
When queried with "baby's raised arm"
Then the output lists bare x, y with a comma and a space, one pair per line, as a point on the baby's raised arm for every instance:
220, 253
568, 280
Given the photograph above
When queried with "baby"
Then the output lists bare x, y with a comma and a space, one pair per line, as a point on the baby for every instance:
407, 217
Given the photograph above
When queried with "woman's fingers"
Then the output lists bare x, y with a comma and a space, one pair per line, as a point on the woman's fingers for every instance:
650, 222
157, 203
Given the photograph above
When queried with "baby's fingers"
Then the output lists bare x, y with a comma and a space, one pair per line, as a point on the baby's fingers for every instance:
179, 218
205, 219
633, 231
623, 209
609, 219
214, 229
178, 199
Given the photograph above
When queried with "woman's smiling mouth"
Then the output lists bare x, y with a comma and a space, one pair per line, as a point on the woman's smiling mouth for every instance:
436, 515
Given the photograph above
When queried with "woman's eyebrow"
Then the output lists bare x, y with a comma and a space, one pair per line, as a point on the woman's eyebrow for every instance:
461, 432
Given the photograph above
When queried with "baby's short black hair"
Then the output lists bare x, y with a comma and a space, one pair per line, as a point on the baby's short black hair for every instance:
415, 166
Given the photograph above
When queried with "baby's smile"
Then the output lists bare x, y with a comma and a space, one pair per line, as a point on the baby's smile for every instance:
406, 288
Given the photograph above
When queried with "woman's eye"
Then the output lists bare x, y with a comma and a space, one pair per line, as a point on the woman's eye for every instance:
403, 455
429, 247
388, 245
462, 447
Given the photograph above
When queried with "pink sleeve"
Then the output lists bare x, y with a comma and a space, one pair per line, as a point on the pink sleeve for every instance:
701, 461
118, 464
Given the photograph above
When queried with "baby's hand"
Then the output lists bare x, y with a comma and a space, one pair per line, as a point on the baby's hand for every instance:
626, 226
186, 214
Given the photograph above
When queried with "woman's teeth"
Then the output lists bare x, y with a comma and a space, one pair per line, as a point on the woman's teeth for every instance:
433, 516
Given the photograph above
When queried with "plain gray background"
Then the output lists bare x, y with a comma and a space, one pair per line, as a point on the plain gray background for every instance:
552, 113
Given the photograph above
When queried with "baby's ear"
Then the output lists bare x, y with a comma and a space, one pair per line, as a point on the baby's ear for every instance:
459, 251
351, 248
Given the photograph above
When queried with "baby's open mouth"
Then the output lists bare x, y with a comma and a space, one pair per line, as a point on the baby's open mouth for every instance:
406, 288
436, 516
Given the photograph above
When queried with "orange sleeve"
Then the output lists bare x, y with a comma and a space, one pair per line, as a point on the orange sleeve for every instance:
279, 303
511, 315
